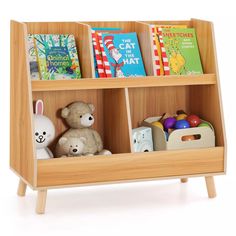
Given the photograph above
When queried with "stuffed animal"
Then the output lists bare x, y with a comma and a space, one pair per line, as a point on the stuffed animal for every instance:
71, 146
79, 118
44, 132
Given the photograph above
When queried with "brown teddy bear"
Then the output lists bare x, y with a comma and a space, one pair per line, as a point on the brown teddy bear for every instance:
72, 146
78, 116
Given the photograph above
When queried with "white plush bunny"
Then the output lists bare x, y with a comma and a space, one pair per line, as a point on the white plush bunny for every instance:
44, 132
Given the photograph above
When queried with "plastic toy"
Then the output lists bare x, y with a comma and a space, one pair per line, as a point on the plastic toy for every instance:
181, 117
158, 124
142, 139
193, 120
204, 124
44, 132
182, 124
169, 123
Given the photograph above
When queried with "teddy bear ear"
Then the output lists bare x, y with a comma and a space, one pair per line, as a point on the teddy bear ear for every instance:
62, 140
65, 112
91, 106
83, 139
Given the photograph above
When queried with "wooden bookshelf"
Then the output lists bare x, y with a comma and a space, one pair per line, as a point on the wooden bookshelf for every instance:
127, 100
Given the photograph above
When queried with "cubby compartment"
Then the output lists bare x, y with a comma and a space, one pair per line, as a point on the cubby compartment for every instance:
111, 117
143, 33
199, 100
80, 32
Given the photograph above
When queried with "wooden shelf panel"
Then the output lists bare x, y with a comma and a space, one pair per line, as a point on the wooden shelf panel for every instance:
129, 166
149, 81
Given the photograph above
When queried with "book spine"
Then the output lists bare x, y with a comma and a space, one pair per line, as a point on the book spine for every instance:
163, 53
98, 56
156, 64
104, 57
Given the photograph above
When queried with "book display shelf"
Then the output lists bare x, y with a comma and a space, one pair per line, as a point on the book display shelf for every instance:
121, 104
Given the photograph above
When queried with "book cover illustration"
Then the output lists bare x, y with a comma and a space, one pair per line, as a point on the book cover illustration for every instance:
57, 56
182, 51
99, 64
34, 70
123, 53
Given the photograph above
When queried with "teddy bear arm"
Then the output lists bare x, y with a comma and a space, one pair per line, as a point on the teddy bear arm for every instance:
98, 140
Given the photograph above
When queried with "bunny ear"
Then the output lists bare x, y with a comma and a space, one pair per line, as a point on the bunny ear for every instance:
39, 107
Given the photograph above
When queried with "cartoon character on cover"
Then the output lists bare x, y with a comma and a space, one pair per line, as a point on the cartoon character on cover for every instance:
115, 54
44, 132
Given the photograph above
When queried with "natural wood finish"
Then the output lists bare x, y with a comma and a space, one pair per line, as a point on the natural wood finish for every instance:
21, 124
210, 186
170, 22
121, 104
41, 201
145, 41
123, 167
21, 188
55, 101
148, 102
116, 126
106, 83
126, 26
208, 105
82, 36
184, 180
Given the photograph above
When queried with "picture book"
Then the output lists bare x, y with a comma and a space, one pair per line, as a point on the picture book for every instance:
99, 65
122, 53
159, 54
57, 56
181, 49
34, 70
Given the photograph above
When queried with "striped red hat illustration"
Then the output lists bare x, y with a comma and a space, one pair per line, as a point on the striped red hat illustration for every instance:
108, 40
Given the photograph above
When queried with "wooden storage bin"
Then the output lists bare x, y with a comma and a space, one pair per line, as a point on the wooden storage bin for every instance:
121, 104
206, 136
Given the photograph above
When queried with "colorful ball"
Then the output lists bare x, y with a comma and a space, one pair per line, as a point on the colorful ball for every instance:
204, 124
169, 123
158, 124
188, 138
181, 117
193, 120
182, 124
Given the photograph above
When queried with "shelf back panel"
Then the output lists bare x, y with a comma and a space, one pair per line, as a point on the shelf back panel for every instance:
21, 120
148, 102
82, 37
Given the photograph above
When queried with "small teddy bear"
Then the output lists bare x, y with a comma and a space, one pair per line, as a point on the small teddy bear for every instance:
72, 146
79, 117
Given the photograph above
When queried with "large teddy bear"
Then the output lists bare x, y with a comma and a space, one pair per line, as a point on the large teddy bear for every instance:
78, 116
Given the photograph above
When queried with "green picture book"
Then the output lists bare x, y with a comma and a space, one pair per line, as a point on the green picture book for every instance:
57, 56
182, 51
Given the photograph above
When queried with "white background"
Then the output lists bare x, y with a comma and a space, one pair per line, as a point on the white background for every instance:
149, 208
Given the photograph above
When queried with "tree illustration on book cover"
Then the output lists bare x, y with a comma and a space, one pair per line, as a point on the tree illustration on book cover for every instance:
182, 51
57, 56
123, 54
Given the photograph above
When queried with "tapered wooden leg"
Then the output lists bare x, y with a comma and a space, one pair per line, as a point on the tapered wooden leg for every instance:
184, 180
210, 186
41, 201
21, 188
